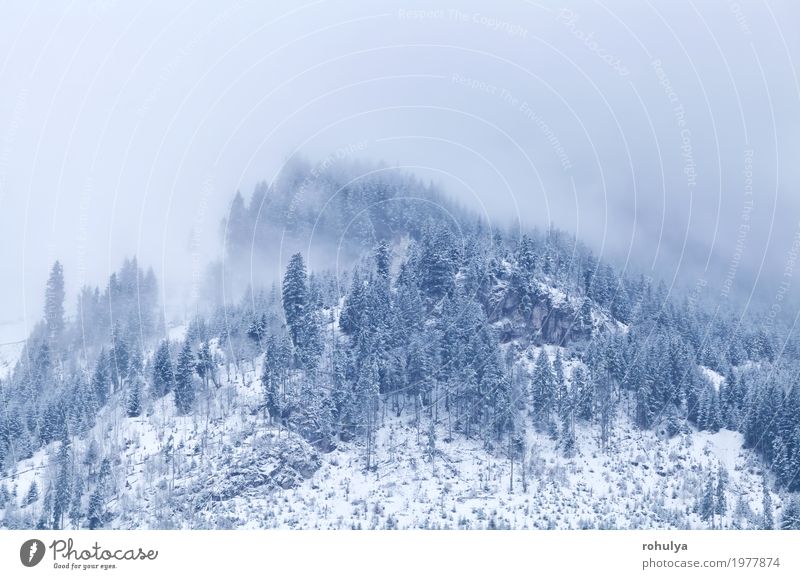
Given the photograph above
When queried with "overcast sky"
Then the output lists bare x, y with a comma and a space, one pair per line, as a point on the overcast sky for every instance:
664, 132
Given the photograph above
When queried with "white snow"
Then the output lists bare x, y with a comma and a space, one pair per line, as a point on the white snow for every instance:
642, 481
12, 342
715, 378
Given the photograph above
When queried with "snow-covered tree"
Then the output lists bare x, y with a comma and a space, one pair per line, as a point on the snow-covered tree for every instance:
32, 495
768, 518
163, 376
790, 517
54, 302
542, 388
184, 379
134, 399
63, 491
101, 379
300, 315
707, 508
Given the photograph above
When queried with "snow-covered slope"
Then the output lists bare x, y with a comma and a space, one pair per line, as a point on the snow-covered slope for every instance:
12, 341
227, 467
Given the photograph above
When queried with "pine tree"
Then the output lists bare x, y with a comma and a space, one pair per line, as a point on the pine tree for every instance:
708, 412
163, 376
96, 513
721, 502
101, 379
32, 495
90, 459
565, 407
295, 297
341, 394
274, 376
621, 306
350, 318
184, 380
205, 363
604, 388
45, 517
583, 395
237, 229
543, 388
790, 518
559, 383
368, 394
54, 302
104, 473
83, 406
300, 314
526, 256
383, 258
585, 316
437, 262
567, 418
708, 502
768, 519
5, 496
63, 493
430, 449
75, 513
136, 362
119, 359
133, 404
257, 329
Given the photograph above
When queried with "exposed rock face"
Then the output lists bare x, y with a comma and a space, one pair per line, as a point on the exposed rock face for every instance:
538, 313
267, 464
555, 324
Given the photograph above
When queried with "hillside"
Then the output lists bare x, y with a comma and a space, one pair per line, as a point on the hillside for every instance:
235, 470
447, 374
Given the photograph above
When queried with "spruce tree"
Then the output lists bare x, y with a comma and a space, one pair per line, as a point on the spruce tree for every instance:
790, 517
708, 502
559, 383
163, 375
32, 495
54, 302
585, 316
583, 395
133, 404
274, 376
300, 314
295, 298
205, 363
119, 359
543, 388
5, 496
382, 260
184, 379
63, 493
101, 379
46, 515
75, 513
96, 512
768, 519
721, 502
350, 317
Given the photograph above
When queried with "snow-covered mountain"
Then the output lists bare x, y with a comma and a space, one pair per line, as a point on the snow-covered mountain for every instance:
444, 375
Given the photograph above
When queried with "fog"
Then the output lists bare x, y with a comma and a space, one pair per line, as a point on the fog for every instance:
663, 134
